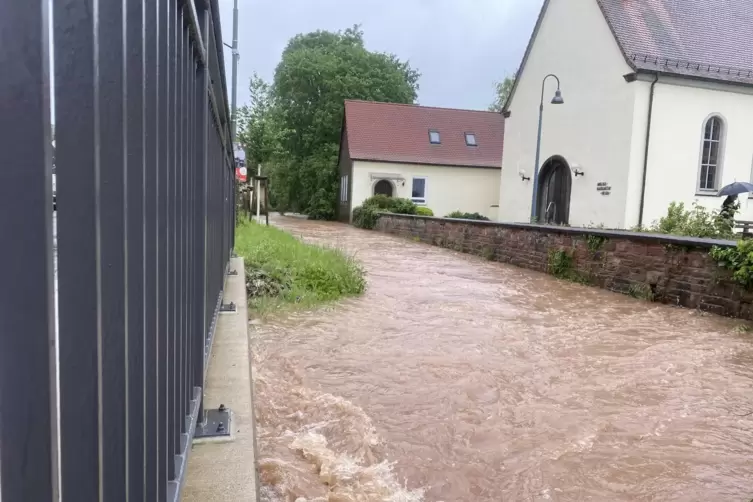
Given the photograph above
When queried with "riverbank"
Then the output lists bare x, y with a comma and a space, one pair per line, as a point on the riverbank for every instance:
284, 273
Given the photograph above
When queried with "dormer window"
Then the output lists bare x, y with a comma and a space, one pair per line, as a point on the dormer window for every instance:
470, 139
434, 137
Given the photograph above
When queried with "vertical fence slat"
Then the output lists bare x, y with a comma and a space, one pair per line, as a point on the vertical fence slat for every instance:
77, 93
111, 223
135, 251
151, 133
184, 175
201, 131
179, 177
191, 195
172, 447
26, 256
165, 458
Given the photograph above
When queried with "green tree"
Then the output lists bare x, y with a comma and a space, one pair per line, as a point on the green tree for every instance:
318, 71
502, 91
255, 130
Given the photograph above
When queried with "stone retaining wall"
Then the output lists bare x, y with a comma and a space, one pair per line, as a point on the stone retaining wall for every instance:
669, 269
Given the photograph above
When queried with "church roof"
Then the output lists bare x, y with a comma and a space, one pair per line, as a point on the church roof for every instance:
701, 39
708, 39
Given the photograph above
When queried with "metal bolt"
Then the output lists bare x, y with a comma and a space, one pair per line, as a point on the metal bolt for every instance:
221, 427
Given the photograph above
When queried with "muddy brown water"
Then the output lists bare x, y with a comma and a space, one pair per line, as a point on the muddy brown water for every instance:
456, 379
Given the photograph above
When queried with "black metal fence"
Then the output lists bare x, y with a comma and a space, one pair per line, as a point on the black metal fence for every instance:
100, 394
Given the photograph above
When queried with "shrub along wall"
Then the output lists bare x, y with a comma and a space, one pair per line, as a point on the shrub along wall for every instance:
665, 268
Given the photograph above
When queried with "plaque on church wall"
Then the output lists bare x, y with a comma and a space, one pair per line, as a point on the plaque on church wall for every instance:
603, 188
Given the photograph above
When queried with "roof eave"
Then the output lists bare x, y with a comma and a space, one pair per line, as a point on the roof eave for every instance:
537, 26
365, 158
700, 78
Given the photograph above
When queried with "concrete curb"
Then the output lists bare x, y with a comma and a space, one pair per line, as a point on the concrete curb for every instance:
226, 469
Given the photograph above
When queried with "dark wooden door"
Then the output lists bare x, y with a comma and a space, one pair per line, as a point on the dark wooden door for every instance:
554, 193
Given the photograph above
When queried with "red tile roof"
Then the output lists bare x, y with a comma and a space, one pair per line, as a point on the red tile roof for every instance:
389, 132
710, 39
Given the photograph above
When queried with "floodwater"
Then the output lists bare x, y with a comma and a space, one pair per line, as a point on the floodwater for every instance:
457, 379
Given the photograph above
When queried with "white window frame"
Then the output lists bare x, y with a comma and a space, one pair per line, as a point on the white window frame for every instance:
719, 166
421, 201
475, 139
439, 137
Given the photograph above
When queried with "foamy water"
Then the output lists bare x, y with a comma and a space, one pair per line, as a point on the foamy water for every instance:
455, 379
349, 470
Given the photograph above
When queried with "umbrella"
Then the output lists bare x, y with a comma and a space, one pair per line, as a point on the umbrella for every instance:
736, 188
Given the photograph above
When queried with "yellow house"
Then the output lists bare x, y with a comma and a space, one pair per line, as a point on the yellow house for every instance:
441, 158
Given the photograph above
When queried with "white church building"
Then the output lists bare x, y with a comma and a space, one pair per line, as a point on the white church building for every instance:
657, 107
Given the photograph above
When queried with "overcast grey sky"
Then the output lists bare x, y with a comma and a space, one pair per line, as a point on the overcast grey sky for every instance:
460, 46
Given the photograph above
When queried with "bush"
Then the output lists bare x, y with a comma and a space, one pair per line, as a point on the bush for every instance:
391, 204
379, 201
739, 260
459, 215
696, 222
403, 206
365, 216
424, 211
282, 270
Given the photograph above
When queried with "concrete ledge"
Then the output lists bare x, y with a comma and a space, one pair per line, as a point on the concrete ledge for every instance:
676, 240
226, 471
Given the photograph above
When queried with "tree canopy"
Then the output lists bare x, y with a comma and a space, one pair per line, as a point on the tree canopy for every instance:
292, 126
502, 91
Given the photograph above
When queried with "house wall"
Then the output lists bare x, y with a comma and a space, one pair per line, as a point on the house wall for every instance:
448, 188
637, 157
680, 111
591, 130
344, 208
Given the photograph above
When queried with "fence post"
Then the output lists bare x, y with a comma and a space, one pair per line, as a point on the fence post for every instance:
164, 454
27, 376
76, 106
136, 251
111, 147
151, 134
199, 306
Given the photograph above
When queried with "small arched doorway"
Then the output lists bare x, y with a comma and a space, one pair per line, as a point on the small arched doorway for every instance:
383, 187
554, 192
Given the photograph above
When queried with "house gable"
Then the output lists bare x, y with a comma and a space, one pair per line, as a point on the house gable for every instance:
692, 39
592, 130
535, 35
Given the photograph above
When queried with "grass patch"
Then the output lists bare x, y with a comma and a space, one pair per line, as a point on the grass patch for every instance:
562, 266
642, 291
560, 263
595, 242
284, 272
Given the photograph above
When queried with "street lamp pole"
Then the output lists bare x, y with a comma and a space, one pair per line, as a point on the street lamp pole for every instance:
556, 100
234, 110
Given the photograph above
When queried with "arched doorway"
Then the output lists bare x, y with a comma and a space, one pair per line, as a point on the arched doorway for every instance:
554, 192
383, 187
